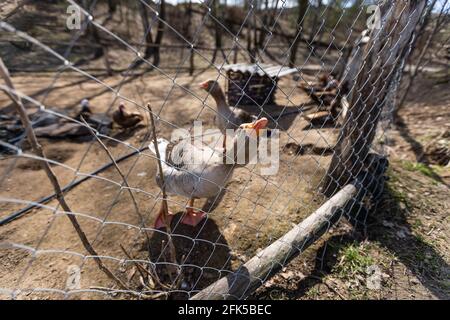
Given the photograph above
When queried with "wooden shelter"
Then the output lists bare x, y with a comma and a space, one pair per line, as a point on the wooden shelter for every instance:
253, 84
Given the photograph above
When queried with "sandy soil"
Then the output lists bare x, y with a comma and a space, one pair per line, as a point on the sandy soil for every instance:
406, 237
255, 210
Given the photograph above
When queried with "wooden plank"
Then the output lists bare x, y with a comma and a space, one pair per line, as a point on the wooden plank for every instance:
251, 275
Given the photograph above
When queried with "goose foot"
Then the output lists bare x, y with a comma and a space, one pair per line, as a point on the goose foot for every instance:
192, 217
159, 223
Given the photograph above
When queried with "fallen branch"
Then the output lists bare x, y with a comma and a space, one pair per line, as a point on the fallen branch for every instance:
161, 174
132, 293
37, 148
142, 270
139, 268
164, 205
252, 274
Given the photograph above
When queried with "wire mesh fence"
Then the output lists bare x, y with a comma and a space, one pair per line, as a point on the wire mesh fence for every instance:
138, 190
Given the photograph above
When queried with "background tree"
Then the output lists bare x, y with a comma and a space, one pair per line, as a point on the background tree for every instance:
152, 48
217, 13
302, 9
383, 57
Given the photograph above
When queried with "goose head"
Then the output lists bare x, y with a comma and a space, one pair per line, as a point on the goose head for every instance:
213, 87
245, 142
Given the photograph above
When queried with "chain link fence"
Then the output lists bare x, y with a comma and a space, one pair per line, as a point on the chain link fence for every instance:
104, 94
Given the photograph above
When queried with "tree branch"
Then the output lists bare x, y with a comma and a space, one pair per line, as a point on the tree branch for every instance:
37, 148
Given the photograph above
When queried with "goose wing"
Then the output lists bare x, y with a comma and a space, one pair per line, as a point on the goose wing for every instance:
189, 168
185, 155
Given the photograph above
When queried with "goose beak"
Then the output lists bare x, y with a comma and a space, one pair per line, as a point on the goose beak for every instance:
258, 125
204, 85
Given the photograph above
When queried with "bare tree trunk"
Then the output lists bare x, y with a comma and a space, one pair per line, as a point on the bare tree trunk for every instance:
269, 21
249, 36
302, 8
152, 48
417, 65
99, 52
217, 29
314, 26
265, 19
330, 7
188, 34
255, 29
160, 32
92, 34
112, 7
127, 20
91, 31
385, 51
149, 49
425, 22
274, 13
420, 33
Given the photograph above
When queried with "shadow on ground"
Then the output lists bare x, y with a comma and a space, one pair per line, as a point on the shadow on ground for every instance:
202, 251
420, 258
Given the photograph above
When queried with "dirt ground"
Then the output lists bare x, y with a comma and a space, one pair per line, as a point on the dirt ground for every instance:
406, 240
255, 211
407, 237
412, 221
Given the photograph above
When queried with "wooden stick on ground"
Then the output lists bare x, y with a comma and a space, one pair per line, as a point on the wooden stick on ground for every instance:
252, 274
37, 148
164, 205
142, 270
161, 174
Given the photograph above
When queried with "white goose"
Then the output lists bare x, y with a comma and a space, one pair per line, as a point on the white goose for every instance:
227, 118
197, 171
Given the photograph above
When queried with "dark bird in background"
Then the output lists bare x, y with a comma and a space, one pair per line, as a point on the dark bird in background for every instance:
85, 110
126, 118
85, 106
328, 82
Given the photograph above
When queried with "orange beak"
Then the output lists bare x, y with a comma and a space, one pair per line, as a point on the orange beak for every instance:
259, 124
204, 85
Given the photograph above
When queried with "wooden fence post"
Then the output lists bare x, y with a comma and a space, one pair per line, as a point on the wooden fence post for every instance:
383, 56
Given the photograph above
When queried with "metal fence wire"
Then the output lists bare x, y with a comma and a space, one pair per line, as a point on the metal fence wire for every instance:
81, 180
